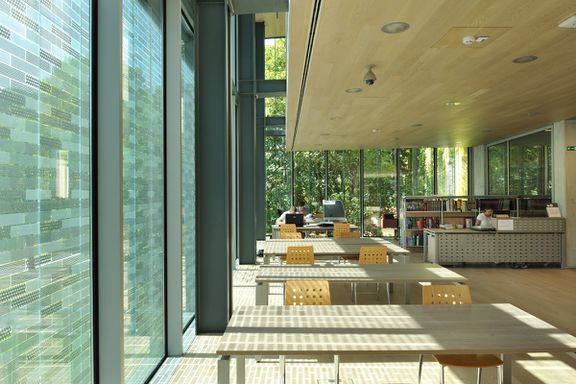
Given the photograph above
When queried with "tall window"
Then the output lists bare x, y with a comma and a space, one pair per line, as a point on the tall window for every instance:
309, 179
452, 171
498, 169
143, 163
45, 201
416, 171
379, 192
278, 178
344, 182
188, 90
530, 166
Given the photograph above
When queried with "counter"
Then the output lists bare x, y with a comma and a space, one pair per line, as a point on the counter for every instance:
526, 240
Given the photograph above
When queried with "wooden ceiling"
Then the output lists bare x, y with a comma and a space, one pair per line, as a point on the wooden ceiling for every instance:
331, 42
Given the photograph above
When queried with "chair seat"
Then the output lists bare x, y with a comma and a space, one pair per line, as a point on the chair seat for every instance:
469, 361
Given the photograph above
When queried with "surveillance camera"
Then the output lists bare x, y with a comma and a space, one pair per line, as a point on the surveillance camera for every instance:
369, 77
468, 40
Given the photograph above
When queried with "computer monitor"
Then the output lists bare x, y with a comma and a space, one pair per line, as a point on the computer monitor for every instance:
334, 210
295, 218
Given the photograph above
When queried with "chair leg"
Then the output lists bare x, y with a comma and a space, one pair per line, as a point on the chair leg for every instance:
355, 293
420, 363
388, 292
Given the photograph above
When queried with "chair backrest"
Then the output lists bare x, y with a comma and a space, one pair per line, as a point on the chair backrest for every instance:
373, 255
307, 292
290, 235
350, 235
300, 254
340, 228
287, 228
446, 294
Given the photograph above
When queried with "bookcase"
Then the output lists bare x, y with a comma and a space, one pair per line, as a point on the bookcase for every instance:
420, 212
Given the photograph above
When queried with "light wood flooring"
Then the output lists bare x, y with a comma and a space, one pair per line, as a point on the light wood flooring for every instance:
548, 293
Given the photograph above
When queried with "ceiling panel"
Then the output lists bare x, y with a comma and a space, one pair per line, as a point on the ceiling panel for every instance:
422, 69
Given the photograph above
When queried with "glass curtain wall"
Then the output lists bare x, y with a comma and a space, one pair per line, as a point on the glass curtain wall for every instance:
452, 171
46, 317
278, 178
188, 100
344, 182
530, 165
498, 169
309, 179
379, 191
416, 171
143, 174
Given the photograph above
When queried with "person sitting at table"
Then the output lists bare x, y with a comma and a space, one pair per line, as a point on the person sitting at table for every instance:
485, 218
299, 208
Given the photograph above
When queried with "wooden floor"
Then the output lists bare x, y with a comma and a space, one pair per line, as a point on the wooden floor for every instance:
545, 292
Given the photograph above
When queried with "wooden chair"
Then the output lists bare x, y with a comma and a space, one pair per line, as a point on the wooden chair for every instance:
456, 295
288, 228
300, 255
340, 228
307, 292
290, 235
371, 256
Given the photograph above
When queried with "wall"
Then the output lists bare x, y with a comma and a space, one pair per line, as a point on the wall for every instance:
564, 134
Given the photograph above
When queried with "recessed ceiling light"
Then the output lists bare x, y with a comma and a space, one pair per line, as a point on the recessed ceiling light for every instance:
376, 130
395, 27
525, 59
333, 118
453, 103
353, 90
325, 134
416, 125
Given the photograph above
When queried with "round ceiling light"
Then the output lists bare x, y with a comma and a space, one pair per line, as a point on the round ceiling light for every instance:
395, 27
525, 59
353, 90
453, 103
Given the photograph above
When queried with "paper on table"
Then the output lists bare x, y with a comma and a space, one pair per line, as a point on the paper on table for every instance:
505, 225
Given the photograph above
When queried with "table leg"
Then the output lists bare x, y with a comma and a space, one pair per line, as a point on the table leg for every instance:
240, 370
283, 369
262, 290
336, 369
506, 373
223, 370
266, 260
407, 292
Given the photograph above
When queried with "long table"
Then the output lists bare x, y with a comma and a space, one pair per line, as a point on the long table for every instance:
332, 247
383, 273
308, 228
387, 329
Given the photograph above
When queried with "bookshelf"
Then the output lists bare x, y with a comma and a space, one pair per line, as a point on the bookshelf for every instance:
419, 212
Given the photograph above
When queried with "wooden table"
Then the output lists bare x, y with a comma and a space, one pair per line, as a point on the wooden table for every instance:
387, 329
331, 247
307, 228
383, 273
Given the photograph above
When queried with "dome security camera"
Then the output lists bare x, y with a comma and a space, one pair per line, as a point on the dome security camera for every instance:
370, 77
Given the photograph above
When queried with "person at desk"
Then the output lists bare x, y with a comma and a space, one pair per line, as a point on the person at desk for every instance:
299, 208
484, 219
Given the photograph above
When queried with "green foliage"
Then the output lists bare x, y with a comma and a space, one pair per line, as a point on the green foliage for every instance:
275, 69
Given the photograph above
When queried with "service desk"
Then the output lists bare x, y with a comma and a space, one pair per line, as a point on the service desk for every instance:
309, 228
526, 240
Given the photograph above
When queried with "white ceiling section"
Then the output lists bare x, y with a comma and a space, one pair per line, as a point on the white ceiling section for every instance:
331, 43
